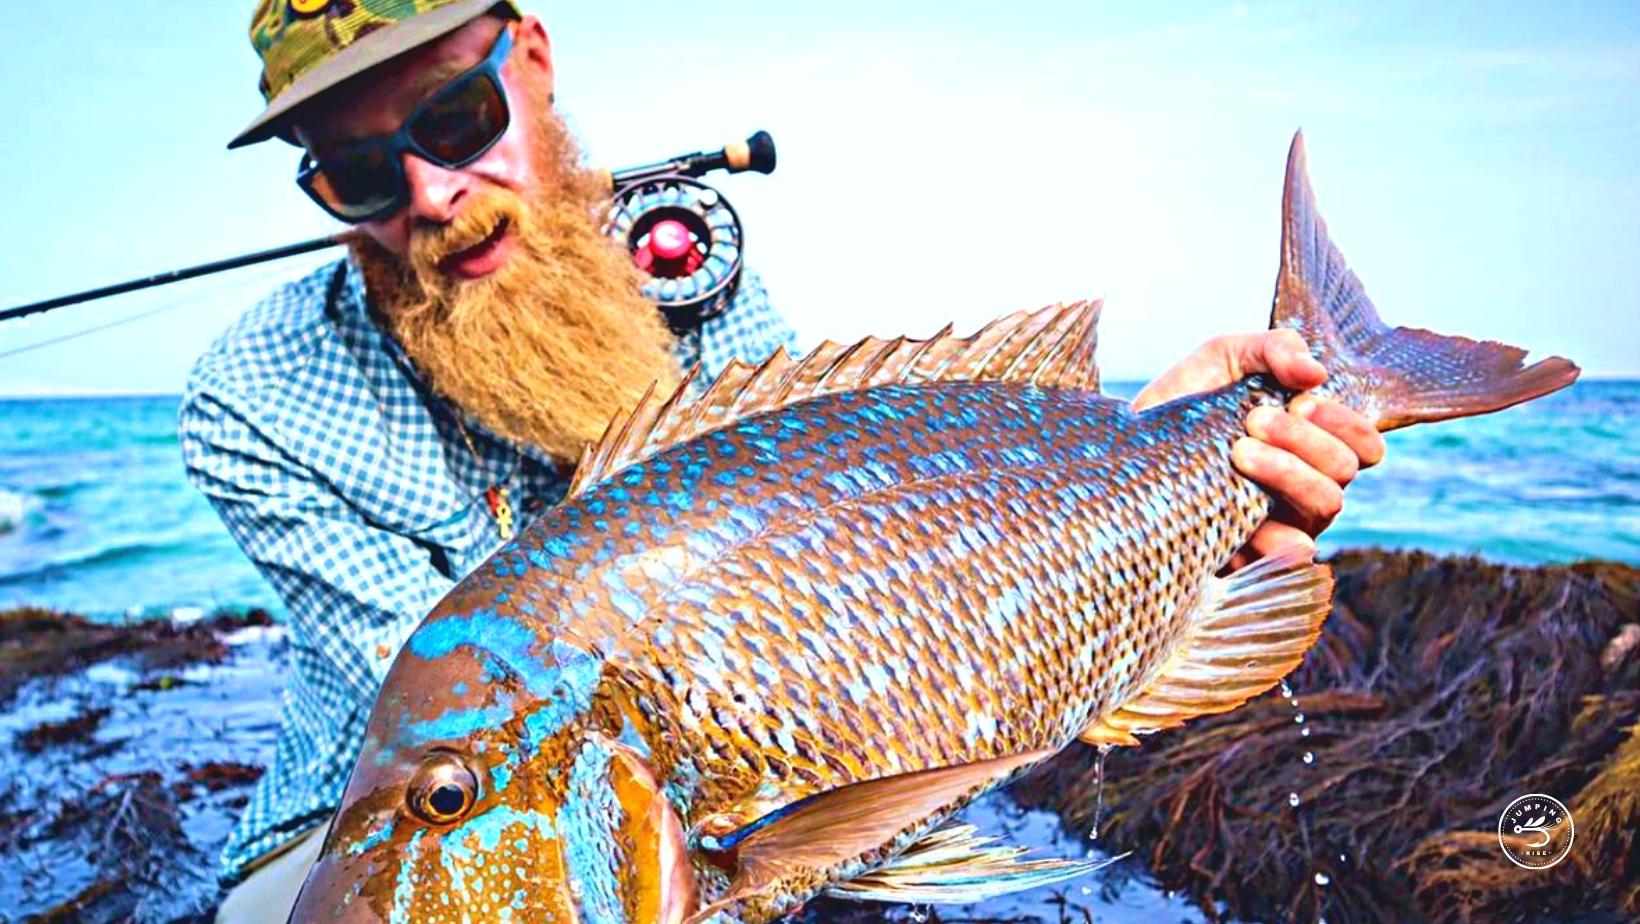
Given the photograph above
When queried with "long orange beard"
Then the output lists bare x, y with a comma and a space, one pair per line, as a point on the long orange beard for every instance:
555, 343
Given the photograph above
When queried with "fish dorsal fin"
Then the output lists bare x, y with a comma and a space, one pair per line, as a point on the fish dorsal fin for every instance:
1052, 347
1251, 630
956, 865
829, 828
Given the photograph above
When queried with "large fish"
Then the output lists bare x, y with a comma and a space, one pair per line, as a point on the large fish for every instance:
779, 633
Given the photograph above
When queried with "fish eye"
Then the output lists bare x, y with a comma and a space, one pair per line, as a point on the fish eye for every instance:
443, 790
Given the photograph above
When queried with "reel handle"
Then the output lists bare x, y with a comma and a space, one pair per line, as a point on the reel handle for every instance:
756, 153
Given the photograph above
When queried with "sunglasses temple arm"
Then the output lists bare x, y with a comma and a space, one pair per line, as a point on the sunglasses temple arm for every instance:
176, 275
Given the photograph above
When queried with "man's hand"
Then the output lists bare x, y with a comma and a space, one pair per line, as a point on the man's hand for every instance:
1304, 455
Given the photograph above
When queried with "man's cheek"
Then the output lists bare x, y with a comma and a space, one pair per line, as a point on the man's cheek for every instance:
392, 235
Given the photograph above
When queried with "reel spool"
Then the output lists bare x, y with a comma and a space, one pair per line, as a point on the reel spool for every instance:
687, 239
683, 234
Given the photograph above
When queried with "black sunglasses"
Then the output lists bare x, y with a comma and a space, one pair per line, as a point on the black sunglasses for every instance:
452, 128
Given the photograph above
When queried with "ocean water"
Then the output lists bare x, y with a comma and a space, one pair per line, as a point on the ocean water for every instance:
96, 516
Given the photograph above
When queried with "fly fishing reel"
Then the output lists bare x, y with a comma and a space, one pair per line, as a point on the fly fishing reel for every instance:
683, 234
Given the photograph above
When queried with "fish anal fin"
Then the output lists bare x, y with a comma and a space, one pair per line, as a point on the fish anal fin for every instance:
955, 864
1052, 347
1251, 629
822, 831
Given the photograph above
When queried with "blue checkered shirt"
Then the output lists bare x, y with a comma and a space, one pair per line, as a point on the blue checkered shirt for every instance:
351, 488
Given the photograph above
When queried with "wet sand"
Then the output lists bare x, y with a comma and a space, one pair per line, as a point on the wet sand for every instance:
1443, 687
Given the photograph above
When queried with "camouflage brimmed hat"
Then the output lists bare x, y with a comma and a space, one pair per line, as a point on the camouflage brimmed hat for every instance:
309, 46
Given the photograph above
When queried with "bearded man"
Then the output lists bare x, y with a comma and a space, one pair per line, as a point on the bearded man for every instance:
372, 433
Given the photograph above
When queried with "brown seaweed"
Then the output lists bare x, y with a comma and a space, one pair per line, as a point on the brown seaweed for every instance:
78, 729
82, 842
38, 642
1442, 688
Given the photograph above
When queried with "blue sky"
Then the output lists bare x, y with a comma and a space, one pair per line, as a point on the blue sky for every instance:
940, 161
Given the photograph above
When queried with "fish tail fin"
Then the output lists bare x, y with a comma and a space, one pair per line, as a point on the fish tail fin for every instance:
1395, 376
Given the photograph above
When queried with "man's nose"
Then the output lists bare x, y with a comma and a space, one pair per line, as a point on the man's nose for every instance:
436, 193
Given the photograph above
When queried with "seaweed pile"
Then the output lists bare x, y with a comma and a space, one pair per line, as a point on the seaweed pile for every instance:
1442, 688
127, 760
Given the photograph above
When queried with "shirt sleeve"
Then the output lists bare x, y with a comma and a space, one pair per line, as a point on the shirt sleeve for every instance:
354, 591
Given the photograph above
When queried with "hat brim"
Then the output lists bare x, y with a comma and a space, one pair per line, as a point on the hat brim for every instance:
376, 48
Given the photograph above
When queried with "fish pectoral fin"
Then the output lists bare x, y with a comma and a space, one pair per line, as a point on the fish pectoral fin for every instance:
956, 865
828, 828
1251, 630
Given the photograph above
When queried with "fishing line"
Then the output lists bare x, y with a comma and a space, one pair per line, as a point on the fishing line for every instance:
168, 306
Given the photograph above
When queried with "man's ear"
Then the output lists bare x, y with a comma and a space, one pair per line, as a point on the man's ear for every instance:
535, 48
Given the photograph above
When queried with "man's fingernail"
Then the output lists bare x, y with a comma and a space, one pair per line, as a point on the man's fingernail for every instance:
1304, 406
1259, 421
1242, 451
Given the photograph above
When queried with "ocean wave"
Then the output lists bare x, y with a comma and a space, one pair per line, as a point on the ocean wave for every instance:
113, 555
15, 507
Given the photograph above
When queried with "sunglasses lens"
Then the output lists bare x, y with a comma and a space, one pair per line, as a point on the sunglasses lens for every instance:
357, 184
462, 121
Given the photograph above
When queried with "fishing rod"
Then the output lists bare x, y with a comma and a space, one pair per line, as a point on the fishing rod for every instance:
674, 227
176, 275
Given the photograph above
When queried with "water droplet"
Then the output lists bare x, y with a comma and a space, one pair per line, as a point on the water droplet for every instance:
1304, 733
1087, 890
1286, 691
1309, 758
1292, 799
917, 916
1322, 879
1343, 859
1099, 800
1292, 701
1299, 718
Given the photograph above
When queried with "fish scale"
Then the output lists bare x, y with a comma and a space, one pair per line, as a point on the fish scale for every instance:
786, 625
1041, 694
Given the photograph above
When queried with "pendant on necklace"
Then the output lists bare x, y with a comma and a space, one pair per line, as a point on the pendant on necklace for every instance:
501, 510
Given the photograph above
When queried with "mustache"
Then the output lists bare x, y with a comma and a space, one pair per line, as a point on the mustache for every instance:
431, 244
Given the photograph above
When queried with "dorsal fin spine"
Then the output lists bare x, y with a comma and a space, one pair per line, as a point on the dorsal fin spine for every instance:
1052, 347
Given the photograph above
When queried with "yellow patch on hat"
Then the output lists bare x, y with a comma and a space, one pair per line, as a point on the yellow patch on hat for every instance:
308, 7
